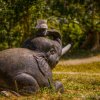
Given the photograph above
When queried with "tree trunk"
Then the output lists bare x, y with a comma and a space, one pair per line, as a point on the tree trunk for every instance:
26, 26
89, 41
97, 42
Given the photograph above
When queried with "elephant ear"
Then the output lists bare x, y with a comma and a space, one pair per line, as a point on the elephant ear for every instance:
55, 35
43, 66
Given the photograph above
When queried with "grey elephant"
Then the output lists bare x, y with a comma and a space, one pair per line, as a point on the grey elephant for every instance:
49, 47
28, 70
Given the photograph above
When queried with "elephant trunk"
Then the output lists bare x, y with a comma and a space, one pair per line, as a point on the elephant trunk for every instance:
65, 49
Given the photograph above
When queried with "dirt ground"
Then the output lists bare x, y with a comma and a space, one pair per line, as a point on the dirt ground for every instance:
80, 61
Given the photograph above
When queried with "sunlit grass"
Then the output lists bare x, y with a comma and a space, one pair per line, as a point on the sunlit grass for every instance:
93, 67
80, 86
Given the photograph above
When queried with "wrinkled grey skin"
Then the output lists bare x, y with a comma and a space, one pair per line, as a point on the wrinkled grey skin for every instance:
52, 48
20, 65
28, 70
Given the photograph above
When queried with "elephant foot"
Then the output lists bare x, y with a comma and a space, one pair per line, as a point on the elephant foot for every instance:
59, 87
15, 93
26, 84
9, 92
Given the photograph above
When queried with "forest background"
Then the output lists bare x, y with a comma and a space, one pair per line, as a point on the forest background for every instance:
77, 20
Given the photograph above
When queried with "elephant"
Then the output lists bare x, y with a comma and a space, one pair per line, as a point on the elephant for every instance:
42, 44
27, 70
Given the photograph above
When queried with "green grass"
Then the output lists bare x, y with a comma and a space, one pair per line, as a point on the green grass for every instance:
77, 87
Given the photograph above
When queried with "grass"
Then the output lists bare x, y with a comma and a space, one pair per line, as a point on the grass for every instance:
77, 87
93, 67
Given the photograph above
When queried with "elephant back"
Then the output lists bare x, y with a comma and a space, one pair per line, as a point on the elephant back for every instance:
43, 44
20, 60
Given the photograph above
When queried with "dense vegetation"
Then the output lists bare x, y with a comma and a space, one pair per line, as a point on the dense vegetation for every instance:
79, 23
77, 20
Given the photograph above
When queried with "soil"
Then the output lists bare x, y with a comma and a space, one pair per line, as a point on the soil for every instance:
80, 60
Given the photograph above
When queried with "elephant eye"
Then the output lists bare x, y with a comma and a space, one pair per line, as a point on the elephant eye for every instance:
52, 51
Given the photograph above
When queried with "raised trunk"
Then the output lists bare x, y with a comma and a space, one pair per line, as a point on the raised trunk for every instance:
65, 49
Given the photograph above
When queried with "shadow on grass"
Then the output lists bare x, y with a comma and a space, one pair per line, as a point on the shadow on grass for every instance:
80, 54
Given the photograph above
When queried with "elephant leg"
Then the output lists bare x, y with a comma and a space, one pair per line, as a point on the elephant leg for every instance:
59, 87
25, 83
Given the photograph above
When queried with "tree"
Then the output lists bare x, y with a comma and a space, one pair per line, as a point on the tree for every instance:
78, 21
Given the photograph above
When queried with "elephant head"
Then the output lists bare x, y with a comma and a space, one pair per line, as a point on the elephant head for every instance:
51, 47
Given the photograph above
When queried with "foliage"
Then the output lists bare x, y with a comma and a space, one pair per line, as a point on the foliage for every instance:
74, 18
